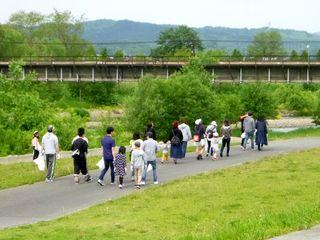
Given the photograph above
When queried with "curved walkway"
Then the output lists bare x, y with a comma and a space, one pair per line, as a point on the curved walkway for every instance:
42, 202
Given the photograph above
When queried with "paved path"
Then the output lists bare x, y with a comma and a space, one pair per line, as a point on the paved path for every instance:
310, 234
41, 201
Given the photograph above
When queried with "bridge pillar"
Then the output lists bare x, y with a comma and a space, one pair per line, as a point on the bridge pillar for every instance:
288, 75
240, 75
142, 73
92, 75
117, 74
46, 74
308, 75
167, 72
269, 75
213, 79
61, 74
77, 75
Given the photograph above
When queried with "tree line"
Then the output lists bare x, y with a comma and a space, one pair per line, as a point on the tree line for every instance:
60, 34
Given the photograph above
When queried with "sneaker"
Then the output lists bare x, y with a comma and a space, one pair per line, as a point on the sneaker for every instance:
242, 147
88, 178
156, 183
143, 183
175, 161
207, 155
100, 182
138, 187
228, 155
112, 183
48, 180
120, 186
221, 155
76, 179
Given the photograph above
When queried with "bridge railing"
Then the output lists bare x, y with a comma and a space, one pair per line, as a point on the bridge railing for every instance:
155, 59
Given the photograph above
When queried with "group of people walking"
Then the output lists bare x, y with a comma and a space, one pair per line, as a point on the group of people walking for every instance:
143, 153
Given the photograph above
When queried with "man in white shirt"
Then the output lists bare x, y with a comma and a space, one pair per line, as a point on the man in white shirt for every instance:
50, 147
186, 133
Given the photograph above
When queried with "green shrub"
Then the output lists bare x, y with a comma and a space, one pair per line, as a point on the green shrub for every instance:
81, 112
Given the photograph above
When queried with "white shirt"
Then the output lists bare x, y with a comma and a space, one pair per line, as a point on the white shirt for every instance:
36, 144
50, 143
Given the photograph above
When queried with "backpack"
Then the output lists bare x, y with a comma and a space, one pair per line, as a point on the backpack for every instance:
210, 133
175, 141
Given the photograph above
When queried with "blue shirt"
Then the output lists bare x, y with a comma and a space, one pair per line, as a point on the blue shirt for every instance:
107, 144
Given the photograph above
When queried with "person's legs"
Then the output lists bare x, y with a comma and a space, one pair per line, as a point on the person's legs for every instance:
144, 174
106, 167
228, 146
223, 146
112, 170
138, 176
35, 154
184, 148
76, 170
252, 140
51, 166
208, 147
154, 170
246, 141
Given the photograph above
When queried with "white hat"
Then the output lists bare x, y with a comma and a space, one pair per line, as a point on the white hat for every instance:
214, 123
198, 121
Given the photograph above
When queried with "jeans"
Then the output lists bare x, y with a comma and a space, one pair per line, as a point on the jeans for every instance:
154, 171
225, 141
184, 148
208, 146
107, 163
249, 135
51, 163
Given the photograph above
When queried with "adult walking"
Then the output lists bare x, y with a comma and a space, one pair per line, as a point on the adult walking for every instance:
80, 150
198, 138
150, 148
226, 137
150, 128
186, 133
249, 128
261, 134
210, 130
176, 138
36, 147
108, 148
50, 146
243, 138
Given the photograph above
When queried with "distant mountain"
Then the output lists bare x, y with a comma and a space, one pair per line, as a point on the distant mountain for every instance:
137, 38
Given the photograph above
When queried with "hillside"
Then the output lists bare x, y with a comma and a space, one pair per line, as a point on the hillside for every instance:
137, 38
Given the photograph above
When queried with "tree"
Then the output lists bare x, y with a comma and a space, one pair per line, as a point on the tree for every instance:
119, 54
304, 56
266, 44
236, 55
318, 55
294, 56
176, 38
104, 53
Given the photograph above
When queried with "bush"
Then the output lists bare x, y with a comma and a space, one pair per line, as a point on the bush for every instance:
185, 94
81, 112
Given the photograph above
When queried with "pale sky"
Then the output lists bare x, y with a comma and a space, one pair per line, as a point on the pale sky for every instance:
292, 14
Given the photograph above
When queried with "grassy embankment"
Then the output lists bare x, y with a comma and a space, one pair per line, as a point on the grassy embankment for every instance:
253, 201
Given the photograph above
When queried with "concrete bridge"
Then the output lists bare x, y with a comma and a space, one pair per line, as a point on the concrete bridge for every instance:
273, 70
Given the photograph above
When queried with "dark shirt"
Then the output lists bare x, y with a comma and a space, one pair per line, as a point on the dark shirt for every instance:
177, 132
81, 145
200, 130
153, 133
107, 144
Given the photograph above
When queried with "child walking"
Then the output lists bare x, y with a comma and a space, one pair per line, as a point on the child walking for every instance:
165, 152
119, 164
214, 146
137, 163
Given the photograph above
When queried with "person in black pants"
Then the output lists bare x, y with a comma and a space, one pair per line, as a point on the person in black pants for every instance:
226, 137
80, 149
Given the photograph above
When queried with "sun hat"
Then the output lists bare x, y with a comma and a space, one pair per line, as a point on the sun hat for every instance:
214, 123
198, 121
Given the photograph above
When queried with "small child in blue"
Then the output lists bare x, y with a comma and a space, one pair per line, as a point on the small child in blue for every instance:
120, 164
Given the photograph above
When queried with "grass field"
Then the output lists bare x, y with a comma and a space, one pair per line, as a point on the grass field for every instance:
253, 201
